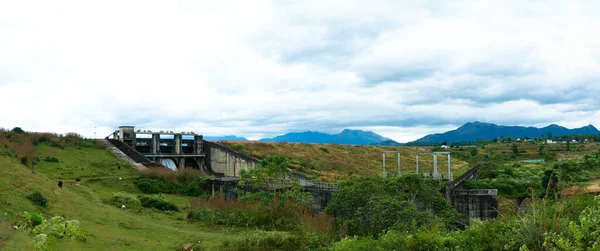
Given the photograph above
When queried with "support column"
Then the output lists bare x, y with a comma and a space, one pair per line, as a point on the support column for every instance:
398, 163
198, 144
417, 163
155, 143
116, 135
384, 174
181, 163
435, 170
177, 144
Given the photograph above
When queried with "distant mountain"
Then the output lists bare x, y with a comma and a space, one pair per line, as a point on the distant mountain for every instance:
228, 137
486, 131
387, 143
346, 137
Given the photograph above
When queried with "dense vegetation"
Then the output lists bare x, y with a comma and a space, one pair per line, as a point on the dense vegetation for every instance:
105, 208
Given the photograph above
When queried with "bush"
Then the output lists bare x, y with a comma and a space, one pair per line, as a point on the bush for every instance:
51, 159
150, 186
31, 220
123, 198
262, 240
324, 149
38, 199
158, 202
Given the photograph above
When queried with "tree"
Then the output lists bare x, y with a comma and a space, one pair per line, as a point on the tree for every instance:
272, 185
549, 135
541, 149
371, 205
18, 130
474, 152
515, 148
568, 145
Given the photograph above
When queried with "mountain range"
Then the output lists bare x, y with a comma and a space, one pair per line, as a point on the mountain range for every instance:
228, 137
473, 131
346, 137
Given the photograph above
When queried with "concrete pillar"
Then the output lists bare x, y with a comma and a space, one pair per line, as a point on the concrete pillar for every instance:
384, 174
155, 143
398, 163
181, 163
198, 144
116, 135
417, 163
177, 143
435, 170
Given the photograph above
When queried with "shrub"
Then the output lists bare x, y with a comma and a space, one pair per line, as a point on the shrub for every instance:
31, 220
158, 202
123, 198
38, 199
324, 149
150, 186
51, 159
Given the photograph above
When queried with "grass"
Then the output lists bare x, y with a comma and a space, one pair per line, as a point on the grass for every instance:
106, 227
328, 162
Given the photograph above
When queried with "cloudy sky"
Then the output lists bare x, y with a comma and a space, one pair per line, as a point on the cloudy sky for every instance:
261, 68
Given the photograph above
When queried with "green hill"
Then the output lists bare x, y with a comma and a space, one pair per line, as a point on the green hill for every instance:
105, 226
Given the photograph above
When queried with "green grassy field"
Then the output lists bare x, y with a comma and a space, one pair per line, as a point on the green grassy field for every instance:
106, 227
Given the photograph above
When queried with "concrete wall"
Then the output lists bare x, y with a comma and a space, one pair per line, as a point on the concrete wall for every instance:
228, 163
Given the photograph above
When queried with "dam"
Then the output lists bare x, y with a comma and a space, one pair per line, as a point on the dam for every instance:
180, 150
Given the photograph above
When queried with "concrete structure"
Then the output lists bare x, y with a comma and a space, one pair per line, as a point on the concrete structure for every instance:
384, 152
435, 166
479, 204
180, 150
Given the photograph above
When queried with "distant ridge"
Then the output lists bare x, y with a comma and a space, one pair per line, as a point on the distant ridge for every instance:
346, 137
228, 137
478, 130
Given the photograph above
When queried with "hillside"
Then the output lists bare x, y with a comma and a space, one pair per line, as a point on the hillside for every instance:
347, 137
106, 227
332, 162
487, 131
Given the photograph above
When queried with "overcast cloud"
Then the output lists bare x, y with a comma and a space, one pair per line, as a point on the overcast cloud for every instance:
261, 68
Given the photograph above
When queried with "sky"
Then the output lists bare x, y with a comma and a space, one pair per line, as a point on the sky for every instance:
402, 69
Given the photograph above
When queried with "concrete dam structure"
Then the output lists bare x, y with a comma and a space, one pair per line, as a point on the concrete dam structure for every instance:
180, 150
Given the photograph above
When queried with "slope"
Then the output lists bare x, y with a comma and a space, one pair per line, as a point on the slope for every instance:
106, 227
334, 162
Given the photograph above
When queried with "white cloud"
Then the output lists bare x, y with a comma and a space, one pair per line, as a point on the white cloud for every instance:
259, 68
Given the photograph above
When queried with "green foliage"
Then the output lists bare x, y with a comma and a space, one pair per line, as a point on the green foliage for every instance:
263, 240
40, 242
158, 202
31, 220
18, 130
51, 159
122, 198
57, 226
324, 149
368, 206
514, 148
581, 235
272, 184
38, 199
156, 185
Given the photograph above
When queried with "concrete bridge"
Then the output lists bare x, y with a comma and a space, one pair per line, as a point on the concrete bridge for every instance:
180, 150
